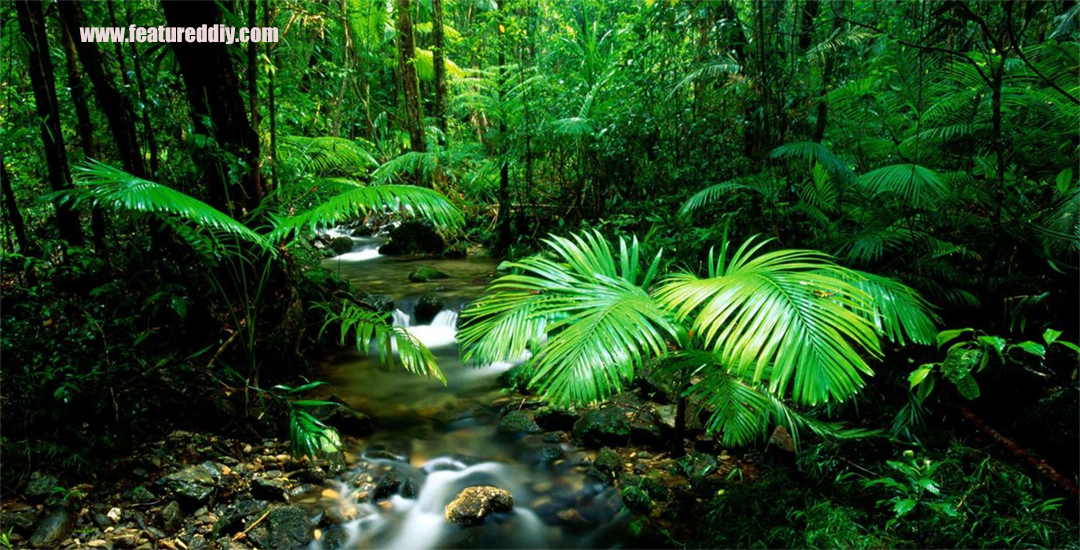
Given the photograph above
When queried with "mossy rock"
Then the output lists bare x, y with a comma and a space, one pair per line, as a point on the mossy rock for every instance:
608, 460
517, 378
517, 422
425, 274
341, 245
427, 307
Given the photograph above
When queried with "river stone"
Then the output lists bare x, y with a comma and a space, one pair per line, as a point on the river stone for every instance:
427, 307
40, 486
284, 527
619, 422
549, 454
265, 488
517, 378
475, 503
171, 519
53, 529
413, 237
554, 419
19, 516
141, 495
335, 538
393, 483
517, 422
194, 484
425, 274
341, 245
232, 520
608, 460
380, 302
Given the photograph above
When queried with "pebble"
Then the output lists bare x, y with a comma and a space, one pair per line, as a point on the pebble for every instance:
114, 514
98, 543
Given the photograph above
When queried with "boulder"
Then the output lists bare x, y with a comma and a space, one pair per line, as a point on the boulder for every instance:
194, 484
413, 237
19, 517
233, 519
474, 504
394, 483
40, 486
551, 418
283, 527
517, 422
425, 274
171, 519
54, 529
607, 460
427, 307
619, 422
781, 439
267, 488
380, 302
341, 245
335, 538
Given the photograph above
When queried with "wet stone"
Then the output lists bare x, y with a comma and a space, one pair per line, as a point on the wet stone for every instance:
53, 529
284, 527
474, 504
517, 422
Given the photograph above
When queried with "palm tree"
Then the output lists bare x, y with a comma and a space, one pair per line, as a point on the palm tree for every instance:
760, 330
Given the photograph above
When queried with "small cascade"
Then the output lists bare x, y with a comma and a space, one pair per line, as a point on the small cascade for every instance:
446, 318
401, 319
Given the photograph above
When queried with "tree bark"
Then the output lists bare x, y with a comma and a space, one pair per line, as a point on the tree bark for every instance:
827, 78
439, 59
151, 141
14, 215
119, 112
253, 89
213, 92
32, 23
504, 148
85, 129
410, 83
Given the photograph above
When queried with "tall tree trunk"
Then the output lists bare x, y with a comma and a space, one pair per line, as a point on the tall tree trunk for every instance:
140, 82
810, 10
439, 59
827, 77
119, 112
32, 23
14, 215
504, 147
253, 88
410, 83
271, 49
213, 92
85, 129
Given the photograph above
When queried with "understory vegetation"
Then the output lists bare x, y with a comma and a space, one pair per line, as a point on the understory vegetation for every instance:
839, 239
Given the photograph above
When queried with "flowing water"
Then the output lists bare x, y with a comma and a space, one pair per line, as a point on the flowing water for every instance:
439, 439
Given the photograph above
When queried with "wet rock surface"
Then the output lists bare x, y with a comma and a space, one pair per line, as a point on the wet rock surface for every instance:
53, 529
476, 503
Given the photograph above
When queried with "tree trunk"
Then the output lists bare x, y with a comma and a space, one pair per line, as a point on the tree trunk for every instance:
151, 141
439, 58
213, 92
253, 90
810, 10
32, 23
119, 112
410, 83
504, 150
271, 49
85, 129
827, 78
14, 216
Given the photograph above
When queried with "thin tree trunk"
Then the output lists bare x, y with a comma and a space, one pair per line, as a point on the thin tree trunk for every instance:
213, 92
410, 83
119, 112
271, 50
253, 91
14, 215
504, 148
827, 78
32, 23
85, 130
439, 58
151, 141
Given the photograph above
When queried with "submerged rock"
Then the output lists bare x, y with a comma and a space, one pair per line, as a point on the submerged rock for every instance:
517, 422
424, 274
427, 307
53, 529
393, 483
474, 504
284, 527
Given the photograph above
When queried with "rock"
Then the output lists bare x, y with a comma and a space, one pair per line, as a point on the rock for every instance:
171, 519
232, 520
141, 495
284, 527
265, 488
782, 440
413, 237
517, 422
337, 515
40, 486
335, 538
694, 465
380, 302
607, 460
619, 422
517, 378
341, 245
475, 503
549, 454
556, 437
427, 307
114, 514
194, 484
99, 543
19, 517
551, 418
343, 417
424, 274
573, 520
53, 529
393, 483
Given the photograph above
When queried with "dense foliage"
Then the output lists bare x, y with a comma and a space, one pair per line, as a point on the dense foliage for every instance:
772, 208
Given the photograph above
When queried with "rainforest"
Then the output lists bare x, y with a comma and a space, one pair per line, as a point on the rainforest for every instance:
291, 274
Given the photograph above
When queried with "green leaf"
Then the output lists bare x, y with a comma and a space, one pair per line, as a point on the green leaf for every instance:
967, 387
1033, 348
919, 374
946, 336
903, 506
995, 343
314, 403
1064, 180
1050, 336
924, 389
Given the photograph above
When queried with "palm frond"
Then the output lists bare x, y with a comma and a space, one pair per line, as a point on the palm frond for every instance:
425, 65
113, 189
895, 309
815, 152
361, 200
763, 184
324, 156
916, 185
368, 21
366, 327
791, 311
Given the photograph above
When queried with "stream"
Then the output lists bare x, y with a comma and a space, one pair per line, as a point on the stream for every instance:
438, 440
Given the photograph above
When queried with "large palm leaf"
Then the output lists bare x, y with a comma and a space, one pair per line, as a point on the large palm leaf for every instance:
790, 313
368, 327
592, 307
